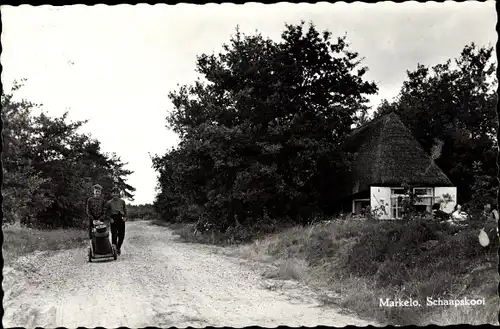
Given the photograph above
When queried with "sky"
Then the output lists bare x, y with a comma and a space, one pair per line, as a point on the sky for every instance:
115, 65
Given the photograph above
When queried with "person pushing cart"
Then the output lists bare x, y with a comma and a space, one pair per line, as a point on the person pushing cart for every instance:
96, 208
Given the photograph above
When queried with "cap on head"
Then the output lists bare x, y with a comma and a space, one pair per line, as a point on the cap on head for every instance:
115, 190
97, 187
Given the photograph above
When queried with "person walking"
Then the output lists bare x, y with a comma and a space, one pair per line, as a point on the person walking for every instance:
116, 209
96, 208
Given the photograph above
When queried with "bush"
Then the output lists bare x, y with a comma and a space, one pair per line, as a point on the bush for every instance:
370, 251
319, 246
440, 285
141, 212
402, 242
391, 273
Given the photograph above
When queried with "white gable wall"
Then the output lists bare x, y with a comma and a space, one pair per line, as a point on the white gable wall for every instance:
380, 198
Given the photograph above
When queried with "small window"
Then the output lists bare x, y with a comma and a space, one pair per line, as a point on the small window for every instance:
398, 197
397, 191
361, 206
422, 191
397, 202
422, 208
425, 200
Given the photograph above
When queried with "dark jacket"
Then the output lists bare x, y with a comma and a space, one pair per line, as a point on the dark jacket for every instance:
96, 207
116, 208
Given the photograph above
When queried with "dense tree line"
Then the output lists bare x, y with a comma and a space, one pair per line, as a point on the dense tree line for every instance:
261, 135
141, 212
49, 167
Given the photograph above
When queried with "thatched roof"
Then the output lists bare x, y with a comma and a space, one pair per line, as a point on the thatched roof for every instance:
386, 153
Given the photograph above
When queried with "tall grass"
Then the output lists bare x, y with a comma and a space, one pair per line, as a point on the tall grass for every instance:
19, 241
359, 262
366, 261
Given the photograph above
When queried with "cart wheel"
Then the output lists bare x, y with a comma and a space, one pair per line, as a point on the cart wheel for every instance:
90, 254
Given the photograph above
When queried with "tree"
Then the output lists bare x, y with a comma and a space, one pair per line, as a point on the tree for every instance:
141, 212
262, 133
456, 105
50, 167
74, 162
21, 192
484, 190
170, 198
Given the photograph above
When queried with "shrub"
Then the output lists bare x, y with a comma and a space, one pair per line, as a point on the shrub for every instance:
391, 273
370, 251
320, 245
190, 214
439, 286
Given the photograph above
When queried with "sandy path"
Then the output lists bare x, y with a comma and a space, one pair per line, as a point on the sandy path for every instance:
157, 281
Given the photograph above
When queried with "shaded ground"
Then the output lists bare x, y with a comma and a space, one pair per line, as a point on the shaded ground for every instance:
156, 282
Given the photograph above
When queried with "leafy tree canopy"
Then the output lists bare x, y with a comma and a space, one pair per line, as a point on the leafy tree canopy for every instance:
50, 167
261, 134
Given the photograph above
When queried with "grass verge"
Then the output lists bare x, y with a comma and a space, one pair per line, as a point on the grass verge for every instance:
361, 262
173, 226
20, 241
188, 234
354, 264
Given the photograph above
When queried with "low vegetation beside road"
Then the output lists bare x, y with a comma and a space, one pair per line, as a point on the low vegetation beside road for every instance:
359, 262
352, 264
19, 240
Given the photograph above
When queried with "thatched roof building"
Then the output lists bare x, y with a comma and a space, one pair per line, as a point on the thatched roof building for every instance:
387, 154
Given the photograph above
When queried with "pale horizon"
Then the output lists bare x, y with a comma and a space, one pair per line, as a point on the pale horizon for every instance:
117, 71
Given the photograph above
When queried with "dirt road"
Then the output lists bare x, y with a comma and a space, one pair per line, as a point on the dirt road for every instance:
157, 281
